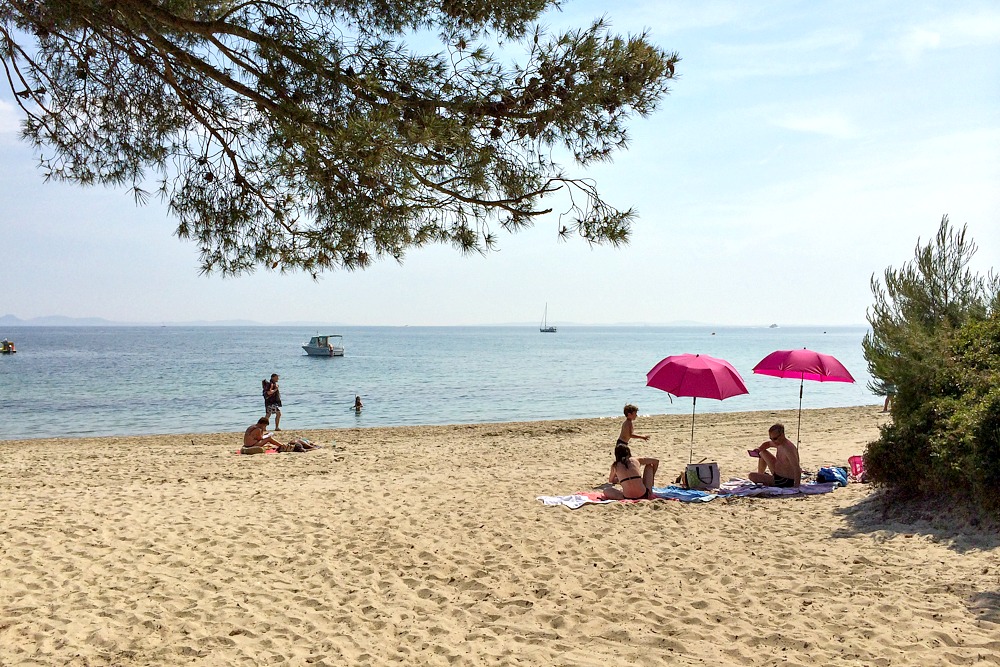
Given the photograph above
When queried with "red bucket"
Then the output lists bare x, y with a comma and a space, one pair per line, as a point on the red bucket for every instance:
857, 464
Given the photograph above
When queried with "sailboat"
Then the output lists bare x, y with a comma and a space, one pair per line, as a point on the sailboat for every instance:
545, 328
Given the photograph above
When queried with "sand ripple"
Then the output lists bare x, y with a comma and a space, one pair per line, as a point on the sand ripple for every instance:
426, 546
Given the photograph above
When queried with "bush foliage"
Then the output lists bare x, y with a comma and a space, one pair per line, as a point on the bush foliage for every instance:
935, 338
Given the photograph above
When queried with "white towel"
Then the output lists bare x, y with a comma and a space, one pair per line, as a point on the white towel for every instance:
573, 502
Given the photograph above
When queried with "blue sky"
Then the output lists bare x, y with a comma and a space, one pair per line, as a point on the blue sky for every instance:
805, 146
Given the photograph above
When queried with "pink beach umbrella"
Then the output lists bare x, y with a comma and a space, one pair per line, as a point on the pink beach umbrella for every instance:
697, 376
803, 365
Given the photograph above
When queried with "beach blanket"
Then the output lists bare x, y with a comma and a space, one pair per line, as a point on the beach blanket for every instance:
576, 500
744, 487
734, 487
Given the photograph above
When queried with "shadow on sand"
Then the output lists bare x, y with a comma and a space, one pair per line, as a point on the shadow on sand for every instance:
947, 522
954, 525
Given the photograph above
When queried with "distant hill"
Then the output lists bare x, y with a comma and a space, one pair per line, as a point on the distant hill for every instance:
63, 321
55, 321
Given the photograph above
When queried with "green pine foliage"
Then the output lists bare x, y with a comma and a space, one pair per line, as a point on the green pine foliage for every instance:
935, 338
311, 136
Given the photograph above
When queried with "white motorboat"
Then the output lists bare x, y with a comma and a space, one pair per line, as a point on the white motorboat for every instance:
325, 346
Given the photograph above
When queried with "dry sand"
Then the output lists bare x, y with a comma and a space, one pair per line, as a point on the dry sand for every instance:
427, 546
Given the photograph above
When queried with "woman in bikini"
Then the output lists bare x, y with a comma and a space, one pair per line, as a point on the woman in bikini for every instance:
634, 475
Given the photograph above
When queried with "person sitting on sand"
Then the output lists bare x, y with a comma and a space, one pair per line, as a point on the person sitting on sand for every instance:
783, 464
631, 412
634, 475
256, 439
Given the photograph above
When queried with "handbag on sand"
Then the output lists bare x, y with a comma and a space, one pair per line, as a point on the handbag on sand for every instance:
701, 476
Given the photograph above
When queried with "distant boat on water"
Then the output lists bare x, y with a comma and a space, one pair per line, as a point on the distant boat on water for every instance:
545, 328
325, 346
7, 347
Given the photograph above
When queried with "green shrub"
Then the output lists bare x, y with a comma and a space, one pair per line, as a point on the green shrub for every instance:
977, 349
936, 337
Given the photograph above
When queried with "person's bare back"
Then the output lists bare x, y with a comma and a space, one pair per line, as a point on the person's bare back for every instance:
634, 475
256, 438
252, 435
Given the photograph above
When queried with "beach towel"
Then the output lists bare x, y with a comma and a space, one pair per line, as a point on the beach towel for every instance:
577, 500
744, 487
732, 488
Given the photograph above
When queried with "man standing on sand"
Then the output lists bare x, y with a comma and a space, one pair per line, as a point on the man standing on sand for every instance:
783, 464
272, 400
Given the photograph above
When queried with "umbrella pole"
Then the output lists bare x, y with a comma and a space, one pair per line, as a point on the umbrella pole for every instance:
694, 399
799, 426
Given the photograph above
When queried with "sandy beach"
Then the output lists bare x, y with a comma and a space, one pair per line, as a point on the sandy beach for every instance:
427, 546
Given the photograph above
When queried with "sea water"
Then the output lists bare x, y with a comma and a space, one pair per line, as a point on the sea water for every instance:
86, 381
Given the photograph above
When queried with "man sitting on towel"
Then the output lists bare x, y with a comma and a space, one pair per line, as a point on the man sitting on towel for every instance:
781, 468
256, 439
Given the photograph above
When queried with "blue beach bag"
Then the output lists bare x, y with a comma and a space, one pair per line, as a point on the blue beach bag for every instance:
832, 474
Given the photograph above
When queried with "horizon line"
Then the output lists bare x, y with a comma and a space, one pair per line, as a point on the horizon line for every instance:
62, 320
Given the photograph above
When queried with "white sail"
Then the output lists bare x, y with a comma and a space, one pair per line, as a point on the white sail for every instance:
545, 328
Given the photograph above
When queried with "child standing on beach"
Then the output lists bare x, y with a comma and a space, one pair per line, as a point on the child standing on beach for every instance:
631, 412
